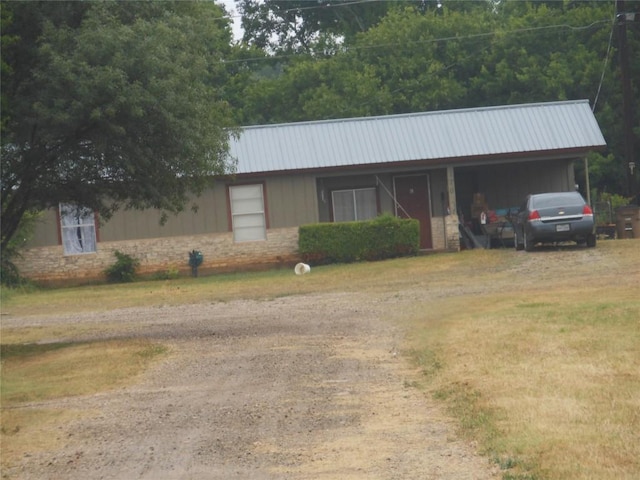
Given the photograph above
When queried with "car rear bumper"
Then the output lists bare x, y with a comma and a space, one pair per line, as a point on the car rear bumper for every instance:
558, 231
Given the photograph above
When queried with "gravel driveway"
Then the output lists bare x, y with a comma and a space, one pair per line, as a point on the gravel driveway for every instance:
307, 387
300, 387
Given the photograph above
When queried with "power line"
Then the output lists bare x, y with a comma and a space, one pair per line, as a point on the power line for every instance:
606, 58
328, 5
334, 5
325, 6
427, 41
486, 34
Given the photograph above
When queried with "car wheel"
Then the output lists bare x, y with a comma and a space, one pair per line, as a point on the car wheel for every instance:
516, 241
528, 244
591, 240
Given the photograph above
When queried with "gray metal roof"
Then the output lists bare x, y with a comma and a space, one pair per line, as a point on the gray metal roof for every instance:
474, 132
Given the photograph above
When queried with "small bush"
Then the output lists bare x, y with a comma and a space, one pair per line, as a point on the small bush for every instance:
124, 270
612, 199
9, 274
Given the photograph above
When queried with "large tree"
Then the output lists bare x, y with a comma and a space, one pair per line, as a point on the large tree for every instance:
111, 105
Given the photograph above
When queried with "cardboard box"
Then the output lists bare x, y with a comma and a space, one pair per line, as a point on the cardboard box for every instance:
478, 199
476, 210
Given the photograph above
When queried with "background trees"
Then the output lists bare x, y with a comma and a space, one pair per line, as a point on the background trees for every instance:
288, 26
415, 56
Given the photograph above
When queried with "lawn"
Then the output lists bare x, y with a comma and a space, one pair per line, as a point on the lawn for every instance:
537, 355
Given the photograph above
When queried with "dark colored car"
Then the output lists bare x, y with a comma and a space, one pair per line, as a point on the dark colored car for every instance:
552, 218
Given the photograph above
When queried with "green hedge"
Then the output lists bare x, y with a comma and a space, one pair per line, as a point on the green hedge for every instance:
344, 242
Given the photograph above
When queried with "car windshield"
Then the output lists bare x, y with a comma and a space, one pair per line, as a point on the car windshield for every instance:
561, 199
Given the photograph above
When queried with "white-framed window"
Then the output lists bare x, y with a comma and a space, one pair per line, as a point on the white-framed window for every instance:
247, 213
78, 229
354, 204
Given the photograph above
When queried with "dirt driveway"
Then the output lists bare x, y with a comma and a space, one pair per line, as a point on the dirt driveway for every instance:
304, 387
299, 387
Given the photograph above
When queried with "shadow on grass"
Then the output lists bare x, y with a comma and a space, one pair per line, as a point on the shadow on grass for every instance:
22, 350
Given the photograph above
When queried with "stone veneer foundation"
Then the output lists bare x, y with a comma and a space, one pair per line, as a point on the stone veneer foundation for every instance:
220, 253
49, 265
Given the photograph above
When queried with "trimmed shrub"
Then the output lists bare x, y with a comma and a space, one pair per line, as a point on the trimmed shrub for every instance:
345, 242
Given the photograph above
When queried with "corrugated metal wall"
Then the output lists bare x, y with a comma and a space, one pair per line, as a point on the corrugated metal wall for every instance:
46, 231
291, 202
210, 217
294, 200
506, 185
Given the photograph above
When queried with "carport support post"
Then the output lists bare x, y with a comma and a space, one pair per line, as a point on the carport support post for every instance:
586, 180
452, 235
451, 191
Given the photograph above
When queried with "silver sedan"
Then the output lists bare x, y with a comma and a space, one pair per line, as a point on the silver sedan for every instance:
553, 218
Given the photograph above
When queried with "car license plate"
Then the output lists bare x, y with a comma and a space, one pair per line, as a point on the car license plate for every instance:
563, 227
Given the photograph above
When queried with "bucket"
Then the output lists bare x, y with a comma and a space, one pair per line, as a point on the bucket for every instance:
302, 268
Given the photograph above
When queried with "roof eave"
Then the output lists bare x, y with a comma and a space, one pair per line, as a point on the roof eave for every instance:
509, 157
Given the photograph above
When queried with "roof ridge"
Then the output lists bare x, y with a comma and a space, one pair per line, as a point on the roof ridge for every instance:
414, 114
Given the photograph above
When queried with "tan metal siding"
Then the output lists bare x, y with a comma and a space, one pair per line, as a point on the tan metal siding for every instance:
506, 185
291, 200
385, 193
438, 191
211, 217
327, 185
45, 233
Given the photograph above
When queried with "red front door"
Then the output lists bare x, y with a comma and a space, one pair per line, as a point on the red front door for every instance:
412, 197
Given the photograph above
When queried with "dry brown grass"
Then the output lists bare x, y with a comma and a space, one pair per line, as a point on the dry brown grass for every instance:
36, 376
548, 378
373, 277
543, 373
31, 430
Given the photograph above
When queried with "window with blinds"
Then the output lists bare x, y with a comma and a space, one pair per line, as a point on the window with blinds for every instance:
247, 213
355, 204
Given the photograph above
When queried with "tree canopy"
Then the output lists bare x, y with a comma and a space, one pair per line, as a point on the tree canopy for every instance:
111, 104
426, 55
301, 26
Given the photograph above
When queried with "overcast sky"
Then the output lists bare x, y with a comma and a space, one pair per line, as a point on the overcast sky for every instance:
233, 12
